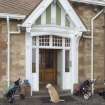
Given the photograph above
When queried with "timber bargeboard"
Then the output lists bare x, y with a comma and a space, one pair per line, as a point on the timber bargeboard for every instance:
54, 16
44, 9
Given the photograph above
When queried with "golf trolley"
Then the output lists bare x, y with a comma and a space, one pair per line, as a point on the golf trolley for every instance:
11, 92
103, 92
84, 89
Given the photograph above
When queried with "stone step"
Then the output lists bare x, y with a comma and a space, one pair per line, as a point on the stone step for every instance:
46, 94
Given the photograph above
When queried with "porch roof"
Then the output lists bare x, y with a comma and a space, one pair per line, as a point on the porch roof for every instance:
25, 7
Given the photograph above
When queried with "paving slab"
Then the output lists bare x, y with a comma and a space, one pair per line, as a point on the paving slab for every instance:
69, 100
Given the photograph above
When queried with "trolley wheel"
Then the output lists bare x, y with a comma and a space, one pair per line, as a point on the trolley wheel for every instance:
86, 96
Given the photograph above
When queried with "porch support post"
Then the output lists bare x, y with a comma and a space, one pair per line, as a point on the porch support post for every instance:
29, 57
63, 69
63, 64
37, 63
74, 59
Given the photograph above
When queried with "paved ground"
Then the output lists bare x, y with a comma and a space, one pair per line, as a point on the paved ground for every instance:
69, 100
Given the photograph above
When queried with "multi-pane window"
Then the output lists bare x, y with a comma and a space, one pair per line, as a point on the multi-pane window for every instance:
54, 40
44, 40
33, 61
57, 41
67, 61
34, 40
67, 42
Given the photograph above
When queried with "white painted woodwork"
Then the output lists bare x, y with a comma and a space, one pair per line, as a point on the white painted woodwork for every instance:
63, 17
37, 13
35, 75
65, 79
74, 60
28, 57
53, 14
72, 14
44, 5
43, 18
59, 69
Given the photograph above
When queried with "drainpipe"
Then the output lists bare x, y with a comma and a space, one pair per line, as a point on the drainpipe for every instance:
7, 17
92, 46
8, 51
104, 43
8, 47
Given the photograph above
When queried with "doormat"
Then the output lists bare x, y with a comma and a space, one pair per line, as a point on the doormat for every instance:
65, 98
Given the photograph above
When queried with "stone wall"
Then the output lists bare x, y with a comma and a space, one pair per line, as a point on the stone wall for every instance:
3, 60
17, 45
17, 55
86, 12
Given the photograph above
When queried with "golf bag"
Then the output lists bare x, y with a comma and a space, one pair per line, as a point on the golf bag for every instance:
103, 92
11, 92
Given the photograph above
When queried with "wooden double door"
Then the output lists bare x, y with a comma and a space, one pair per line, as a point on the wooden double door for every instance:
48, 66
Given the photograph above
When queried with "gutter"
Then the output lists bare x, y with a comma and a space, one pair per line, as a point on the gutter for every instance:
18, 30
86, 36
8, 53
92, 45
8, 17
12, 16
92, 2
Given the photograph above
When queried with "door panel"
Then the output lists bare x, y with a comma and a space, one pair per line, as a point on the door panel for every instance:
48, 75
48, 66
59, 69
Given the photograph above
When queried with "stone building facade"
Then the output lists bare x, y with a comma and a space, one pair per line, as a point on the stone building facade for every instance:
18, 46
86, 12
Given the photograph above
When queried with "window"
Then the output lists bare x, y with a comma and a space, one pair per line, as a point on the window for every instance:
57, 41
67, 42
44, 40
33, 61
34, 41
47, 59
67, 61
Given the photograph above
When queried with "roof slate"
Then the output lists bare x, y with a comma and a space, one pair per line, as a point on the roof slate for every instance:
25, 7
94, 2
